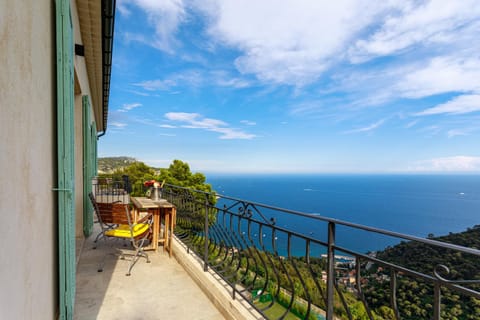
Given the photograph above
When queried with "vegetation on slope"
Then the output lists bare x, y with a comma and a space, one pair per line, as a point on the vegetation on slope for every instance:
415, 297
178, 173
108, 165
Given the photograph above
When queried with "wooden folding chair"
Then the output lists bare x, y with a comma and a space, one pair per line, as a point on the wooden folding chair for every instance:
117, 223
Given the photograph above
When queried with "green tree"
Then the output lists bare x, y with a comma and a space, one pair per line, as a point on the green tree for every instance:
137, 173
179, 174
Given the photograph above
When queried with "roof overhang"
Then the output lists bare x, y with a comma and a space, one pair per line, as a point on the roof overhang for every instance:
96, 20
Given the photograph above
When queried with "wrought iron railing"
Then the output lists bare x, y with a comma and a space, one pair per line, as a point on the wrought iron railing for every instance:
285, 273
108, 190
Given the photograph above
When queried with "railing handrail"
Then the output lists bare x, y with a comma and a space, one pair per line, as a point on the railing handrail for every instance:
395, 234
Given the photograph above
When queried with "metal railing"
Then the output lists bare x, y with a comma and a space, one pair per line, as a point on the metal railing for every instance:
107, 190
284, 273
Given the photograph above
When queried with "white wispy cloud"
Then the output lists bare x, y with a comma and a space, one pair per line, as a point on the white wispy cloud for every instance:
304, 38
431, 130
458, 105
454, 163
143, 94
197, 121
455, 73
153, 85
330, 109
123, 8
120, 119
457, 132
368, 128
222, 78
134, 37
307, 107
456, 76
167, 126
182, 116
195, 79
440, 75
164, 17
298, 42
129, 106
433, 43
233, 82
413, 23
411, 124
116, 124
248, 122
144, 121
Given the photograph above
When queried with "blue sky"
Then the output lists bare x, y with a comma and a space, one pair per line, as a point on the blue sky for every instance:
346, 86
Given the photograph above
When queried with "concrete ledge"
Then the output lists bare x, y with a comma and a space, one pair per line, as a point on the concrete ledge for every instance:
217, 290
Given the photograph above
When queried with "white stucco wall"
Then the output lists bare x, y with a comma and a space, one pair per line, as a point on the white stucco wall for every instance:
28, 250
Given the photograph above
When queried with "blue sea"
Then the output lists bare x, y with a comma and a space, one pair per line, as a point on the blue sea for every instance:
412, 204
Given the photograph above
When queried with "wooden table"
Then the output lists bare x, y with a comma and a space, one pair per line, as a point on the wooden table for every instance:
160, 209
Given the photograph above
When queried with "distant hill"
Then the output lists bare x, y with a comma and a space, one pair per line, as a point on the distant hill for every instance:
424, 258
110, 164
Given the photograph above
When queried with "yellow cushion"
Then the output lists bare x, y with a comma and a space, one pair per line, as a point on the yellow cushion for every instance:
123, 231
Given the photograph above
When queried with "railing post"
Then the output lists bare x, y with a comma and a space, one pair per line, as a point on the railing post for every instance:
330, 270
437, 305
393, 294
205, 254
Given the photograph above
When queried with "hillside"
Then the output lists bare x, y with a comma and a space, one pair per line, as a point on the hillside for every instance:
110, 164
424, 258
415, 297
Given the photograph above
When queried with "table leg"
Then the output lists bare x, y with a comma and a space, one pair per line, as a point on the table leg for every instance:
166, 245
170, 235
156, 229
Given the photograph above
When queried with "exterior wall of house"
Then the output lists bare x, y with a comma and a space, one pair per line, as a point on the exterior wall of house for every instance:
28, 157
28, 232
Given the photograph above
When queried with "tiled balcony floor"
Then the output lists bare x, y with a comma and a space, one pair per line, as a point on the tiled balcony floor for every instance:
161, 289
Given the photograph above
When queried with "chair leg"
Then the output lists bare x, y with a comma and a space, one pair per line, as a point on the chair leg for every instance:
99, 236
139, 253
109, 247
145, 255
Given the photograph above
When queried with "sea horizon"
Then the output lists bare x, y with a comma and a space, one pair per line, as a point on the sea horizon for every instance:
339, 173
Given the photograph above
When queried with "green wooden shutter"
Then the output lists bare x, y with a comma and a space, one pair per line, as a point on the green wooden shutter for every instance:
88, 167
94, 150
65, 154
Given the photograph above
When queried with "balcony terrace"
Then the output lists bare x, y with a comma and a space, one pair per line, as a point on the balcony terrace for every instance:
255, 267
162, 289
